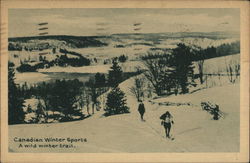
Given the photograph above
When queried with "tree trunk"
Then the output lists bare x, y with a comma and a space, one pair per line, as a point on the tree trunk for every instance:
201, 78
158, 91
88, 109
93, 108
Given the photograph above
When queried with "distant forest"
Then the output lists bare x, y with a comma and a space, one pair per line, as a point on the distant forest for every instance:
197, 53
73, 41
61, 61
92, 41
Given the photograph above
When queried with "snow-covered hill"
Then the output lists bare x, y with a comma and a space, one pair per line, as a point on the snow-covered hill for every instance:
194, 130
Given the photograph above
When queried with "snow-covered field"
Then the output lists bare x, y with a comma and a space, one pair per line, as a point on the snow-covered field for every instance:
194, 130
30, 78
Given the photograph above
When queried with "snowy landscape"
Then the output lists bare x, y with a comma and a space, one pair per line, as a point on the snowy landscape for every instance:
88, 88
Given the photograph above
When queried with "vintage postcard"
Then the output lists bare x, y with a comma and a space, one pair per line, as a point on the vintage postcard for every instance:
134, 81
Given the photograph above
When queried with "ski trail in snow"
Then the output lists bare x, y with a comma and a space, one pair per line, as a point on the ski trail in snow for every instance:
188, 130
176, 145
156, 131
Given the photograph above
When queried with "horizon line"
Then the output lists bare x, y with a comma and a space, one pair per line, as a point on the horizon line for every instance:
234, 32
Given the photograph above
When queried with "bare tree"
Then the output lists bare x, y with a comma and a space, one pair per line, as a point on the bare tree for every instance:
157, 70
149, 90
87, 100
81, 101
237, 69
206, 80
200, 64
138, 88
199, 53
219, 74
232, 69
94, 102
166, 71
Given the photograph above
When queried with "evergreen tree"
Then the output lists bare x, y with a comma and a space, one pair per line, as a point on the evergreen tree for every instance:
54, 50
100, 80
182, 66
122, 58
15, 102
115, 74
61, 96
65, 96
40, 112
116, 102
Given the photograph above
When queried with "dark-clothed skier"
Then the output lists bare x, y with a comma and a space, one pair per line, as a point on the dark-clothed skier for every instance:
167, 119
141, 110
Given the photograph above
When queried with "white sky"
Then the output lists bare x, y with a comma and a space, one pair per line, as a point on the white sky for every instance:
90, 22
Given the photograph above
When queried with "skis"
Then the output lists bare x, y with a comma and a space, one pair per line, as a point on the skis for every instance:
171, 137
158, 133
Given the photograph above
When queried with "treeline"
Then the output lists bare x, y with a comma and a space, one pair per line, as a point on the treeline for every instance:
14, 47
64, 51
18, 47
213, 52
198, 53
155, 55
71, 41
62, 61
122, 58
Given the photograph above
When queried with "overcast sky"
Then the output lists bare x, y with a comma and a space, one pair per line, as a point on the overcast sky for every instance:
89, 22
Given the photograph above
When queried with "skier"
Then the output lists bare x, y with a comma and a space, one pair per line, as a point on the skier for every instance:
141, 110
167, 119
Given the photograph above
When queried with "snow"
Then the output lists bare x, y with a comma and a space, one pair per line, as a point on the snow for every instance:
126, 67
84, 69
33, 102
30, 77
219, 64
194, 130
30, 57
45, 75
